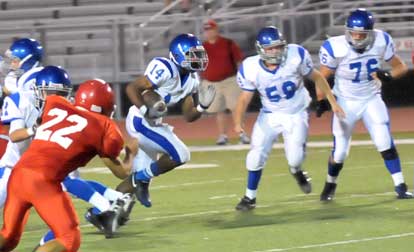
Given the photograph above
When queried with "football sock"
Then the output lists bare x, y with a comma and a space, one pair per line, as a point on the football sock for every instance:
147, 173
393, 164
109, 193
253, 179
333, 171
47, 237
294, 170
83, 190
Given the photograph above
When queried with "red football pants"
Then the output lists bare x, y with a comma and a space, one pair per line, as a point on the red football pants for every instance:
27, 188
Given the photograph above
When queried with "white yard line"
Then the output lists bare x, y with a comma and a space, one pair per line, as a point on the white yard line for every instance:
223, 197
313, 144
330, 244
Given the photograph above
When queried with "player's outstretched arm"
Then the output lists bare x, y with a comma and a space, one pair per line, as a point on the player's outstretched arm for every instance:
122, 168
241, 107
323, 85
135, 89
190, 112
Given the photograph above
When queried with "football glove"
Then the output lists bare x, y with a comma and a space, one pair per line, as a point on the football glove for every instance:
206, 96
383, 75
321, 107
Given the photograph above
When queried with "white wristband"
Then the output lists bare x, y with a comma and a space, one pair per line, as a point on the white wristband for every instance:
200, 109
30, 131
143, 109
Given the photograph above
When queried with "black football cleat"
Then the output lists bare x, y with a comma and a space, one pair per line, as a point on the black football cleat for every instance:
303, 181
328, 192
246, 204
109, 221
126, 202
141, 190
93, 219
402, 192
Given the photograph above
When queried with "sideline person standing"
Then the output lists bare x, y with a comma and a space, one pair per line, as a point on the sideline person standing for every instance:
224, 58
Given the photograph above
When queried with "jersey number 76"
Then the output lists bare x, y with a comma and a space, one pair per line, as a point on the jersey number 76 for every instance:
60, 136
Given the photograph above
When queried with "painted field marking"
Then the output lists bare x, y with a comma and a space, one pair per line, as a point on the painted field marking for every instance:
330, 244
313, 144
223, 197
104, 170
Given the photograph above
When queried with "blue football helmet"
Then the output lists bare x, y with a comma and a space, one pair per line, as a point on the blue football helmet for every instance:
271, 37
360, 21
51, 80
188, 52
28, 51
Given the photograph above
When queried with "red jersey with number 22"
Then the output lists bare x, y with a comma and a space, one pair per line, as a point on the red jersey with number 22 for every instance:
68, 138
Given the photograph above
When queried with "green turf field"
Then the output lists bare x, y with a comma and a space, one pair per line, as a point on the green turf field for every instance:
193, 209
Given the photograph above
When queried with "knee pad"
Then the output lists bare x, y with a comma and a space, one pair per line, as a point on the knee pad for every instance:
389, 154
71, 239
255, 160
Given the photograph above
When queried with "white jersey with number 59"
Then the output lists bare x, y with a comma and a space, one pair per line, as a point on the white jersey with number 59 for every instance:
281, 90
352, 69
167, 81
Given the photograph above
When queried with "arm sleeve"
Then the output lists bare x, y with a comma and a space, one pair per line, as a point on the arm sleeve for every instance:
389, 47
306, 65
10, 111
242, 81
158, 72
326, 55
112, 142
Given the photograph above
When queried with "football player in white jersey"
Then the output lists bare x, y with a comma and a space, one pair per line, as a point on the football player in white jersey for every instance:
277, 73
174, 79
20, 64
356, 61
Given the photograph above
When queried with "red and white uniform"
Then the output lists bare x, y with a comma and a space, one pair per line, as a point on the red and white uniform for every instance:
68, 138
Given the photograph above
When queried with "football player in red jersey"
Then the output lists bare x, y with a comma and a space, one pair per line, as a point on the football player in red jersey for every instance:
67, 138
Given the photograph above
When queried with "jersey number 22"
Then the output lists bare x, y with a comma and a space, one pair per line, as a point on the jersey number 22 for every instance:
60, 136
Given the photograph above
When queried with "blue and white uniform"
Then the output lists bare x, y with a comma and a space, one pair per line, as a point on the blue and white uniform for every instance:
15, 83
357, 92
19, 112
156, 137
285, 101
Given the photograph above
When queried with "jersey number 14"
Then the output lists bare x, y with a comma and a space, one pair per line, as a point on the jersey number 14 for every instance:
60, 136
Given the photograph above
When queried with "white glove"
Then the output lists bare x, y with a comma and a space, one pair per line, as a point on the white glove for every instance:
205, 97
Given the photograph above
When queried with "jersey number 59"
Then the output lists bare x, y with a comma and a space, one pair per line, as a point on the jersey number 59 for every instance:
288, 89
60, 136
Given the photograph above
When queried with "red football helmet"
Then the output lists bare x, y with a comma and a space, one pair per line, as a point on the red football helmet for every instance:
96, 95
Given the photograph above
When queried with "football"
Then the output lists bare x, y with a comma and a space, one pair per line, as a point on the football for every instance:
154, 102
